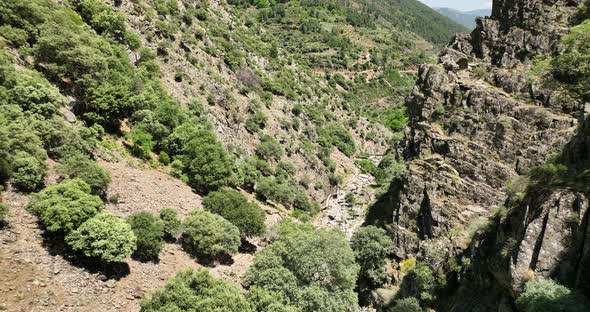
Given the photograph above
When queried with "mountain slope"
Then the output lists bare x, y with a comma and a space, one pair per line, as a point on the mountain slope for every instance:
466, 18
417, 17
161, 102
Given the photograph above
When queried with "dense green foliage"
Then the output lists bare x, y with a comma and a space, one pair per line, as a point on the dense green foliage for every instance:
3, 213
104, 237
64, 207
313, 270
149, 231
545, 295
287, 193
235, 208
196, 291
371, 246
407, 305
418, 18
171, 222
209, 166
208, 235
571, 65
81, 167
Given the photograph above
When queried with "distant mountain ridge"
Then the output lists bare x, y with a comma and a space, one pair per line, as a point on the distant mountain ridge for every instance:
465, 18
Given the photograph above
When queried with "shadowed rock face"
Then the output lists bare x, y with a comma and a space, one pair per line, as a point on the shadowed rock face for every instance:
476, 121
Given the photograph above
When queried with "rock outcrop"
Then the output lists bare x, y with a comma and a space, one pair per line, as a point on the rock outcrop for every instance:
546, 235
476, 120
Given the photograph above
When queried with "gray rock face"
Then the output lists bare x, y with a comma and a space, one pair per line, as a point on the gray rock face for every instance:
476, 121
519, 30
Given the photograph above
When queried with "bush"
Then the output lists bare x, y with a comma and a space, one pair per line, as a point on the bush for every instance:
149, 231
371, 246
407, 305
571, 65
209, 166
105, 237
235, 208
338, 136
544, 295
64, 207
142, 144
28, 172
3, 213
255, 122
207, 235
171, 222
424, 282
192, 290
269, 148
313, 270
87, 170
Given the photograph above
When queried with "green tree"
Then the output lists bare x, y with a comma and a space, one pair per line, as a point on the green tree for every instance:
169, 217
208, 164
235, 208
371, 246
313, 270
87, 170
571, 65
208, 235
105, 237
407, 305
192, 290
149, 231
28, 172
545, 295
65, 206
142, 144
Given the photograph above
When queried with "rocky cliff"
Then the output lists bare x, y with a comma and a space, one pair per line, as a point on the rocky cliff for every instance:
478, 121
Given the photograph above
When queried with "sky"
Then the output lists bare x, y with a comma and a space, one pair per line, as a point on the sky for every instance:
462, 5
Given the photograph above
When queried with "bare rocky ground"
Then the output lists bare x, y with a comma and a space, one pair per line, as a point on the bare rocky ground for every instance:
348, 214
37, 274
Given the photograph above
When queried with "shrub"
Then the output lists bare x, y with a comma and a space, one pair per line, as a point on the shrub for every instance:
192, 290
207, 235
571, 65
313, 270
209, 166
87, 170
149, 231
105, 237
65, 206
371, 246
367, 166
28, 172
235, 208
172, 223
544, 295
397, 119
3, 213
407, 305
284, 192
142, 144
424, 282
269, 148
255, 122
338, 136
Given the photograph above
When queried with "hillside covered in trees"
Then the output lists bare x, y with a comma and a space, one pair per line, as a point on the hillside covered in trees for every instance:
262, 155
